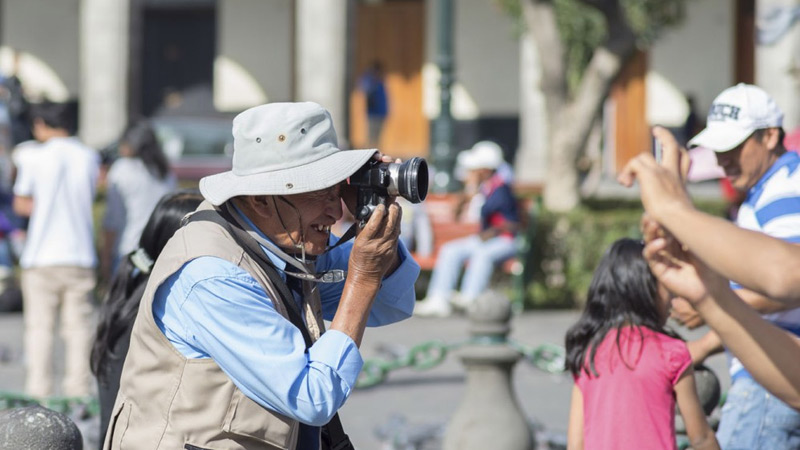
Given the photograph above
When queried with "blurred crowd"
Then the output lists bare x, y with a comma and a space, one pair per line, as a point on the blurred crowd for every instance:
736, 275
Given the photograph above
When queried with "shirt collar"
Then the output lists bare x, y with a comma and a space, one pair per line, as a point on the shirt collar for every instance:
790, 160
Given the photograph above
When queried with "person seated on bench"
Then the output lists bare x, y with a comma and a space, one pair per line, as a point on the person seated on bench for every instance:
416, 230
495, 243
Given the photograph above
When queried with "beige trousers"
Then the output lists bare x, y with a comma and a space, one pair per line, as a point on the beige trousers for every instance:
45, 290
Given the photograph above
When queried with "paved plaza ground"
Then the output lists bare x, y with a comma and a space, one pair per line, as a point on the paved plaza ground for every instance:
423, 399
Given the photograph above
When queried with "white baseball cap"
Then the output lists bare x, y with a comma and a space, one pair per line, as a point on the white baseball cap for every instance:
283, 149
734, 115
482, 155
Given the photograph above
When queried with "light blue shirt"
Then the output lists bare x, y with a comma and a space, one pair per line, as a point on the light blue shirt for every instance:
211, 308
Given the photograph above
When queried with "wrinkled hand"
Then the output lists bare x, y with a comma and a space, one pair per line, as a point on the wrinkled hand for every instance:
374, 252
661, 185
683, 312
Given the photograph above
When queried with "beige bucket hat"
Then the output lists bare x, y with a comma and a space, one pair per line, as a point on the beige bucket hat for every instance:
283, 149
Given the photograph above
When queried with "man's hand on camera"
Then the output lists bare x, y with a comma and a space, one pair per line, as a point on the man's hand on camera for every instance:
374, 251
350, 193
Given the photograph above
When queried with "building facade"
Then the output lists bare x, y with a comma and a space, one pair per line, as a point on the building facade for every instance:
213, 58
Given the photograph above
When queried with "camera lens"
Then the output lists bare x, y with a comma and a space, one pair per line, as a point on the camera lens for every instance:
412, 180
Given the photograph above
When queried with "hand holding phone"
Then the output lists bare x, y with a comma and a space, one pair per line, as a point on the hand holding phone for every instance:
657, 153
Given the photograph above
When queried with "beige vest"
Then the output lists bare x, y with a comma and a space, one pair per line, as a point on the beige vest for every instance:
167, 401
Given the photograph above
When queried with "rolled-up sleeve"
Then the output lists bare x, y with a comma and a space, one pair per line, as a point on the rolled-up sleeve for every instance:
23, 186
213, 309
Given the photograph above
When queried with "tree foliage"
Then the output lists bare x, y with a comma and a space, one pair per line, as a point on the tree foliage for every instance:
649, 18
583, 28
582, 46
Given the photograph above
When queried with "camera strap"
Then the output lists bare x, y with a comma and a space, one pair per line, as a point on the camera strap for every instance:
224, 219
332, 434
330, 276
349, 234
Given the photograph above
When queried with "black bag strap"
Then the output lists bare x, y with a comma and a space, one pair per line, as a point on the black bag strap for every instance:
334, 437
253, 250
332, 434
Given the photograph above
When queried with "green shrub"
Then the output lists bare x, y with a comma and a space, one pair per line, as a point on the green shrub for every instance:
564, 249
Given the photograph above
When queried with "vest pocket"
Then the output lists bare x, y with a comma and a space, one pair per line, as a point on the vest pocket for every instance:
118, 425
247, 418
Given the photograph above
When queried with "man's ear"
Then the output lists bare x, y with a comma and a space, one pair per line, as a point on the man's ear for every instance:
257, 205
771, 138
264, 205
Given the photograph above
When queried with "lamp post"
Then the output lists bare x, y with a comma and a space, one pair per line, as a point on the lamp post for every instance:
444, 155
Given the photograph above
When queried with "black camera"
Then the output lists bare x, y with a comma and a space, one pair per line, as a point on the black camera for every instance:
377, 180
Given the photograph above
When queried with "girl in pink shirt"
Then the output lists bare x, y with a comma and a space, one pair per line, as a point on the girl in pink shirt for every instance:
628, 369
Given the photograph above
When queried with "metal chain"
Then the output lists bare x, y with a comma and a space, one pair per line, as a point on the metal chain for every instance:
546, 357
427, 355
424, 356
64, 405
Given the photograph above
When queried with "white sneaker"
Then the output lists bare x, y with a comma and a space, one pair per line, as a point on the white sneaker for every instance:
461, 303
431, 307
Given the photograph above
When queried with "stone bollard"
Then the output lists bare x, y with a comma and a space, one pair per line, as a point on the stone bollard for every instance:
709, 392
35, 428
489, 416
708, 388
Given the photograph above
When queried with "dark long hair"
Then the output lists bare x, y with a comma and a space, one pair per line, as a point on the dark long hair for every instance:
623, 292
142, 140
122, 301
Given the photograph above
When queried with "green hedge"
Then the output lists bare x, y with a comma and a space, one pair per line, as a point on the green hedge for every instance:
564, 249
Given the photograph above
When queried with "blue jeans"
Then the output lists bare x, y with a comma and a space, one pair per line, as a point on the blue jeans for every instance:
482, 257
753, 419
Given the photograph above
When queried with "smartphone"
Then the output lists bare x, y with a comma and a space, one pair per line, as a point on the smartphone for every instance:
657, 153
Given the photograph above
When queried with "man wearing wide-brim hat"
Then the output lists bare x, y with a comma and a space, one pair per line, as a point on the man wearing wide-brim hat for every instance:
228, 350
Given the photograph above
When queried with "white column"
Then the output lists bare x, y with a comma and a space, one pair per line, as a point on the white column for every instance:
777, 56
321, 57
531, 159
104, 55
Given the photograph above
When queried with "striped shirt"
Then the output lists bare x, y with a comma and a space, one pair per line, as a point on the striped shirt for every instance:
772, 207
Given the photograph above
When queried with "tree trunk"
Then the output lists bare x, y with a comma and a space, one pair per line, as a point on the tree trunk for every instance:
571, 119
540, 18
544, 97
571, 130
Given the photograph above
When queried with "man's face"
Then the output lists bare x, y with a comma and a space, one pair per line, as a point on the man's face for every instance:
748, 162
478, 176
309, 221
